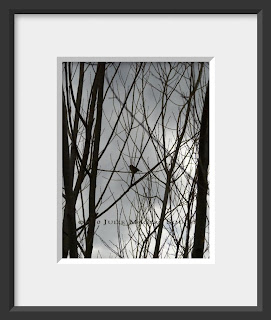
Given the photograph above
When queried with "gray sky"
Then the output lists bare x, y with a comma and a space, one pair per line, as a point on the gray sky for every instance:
156, 86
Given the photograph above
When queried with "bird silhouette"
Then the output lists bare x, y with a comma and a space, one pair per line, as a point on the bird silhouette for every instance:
133, 169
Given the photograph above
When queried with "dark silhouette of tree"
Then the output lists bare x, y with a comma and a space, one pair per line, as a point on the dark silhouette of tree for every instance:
173, 163
122, 116
94, 163
203, 163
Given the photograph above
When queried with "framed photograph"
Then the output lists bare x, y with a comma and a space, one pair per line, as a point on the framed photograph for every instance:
137, 142
120, 116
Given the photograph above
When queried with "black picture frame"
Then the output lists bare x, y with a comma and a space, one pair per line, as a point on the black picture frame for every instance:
7, 306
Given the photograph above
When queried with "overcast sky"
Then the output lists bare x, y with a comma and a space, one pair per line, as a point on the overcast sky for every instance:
156, 83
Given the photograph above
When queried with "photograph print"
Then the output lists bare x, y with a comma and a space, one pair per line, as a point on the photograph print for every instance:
135, 160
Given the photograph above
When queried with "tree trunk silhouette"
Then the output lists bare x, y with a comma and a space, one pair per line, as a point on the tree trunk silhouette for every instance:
69, 226
203, 163
92, 187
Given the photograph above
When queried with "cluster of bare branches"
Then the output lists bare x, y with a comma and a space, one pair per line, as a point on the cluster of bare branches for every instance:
153, 116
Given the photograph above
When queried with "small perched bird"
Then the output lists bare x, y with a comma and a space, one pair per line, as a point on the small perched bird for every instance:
133, 169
